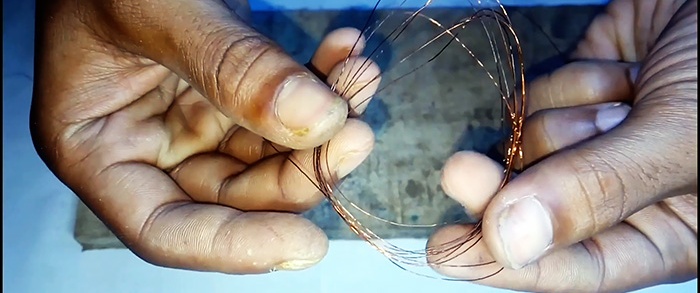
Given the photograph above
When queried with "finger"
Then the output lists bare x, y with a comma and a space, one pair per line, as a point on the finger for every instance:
333, 51
242, 73
548, 131
578, 84
649, 157
248, 147
583, 83
582, 191
336, 47
158, 221
626, 30
471, 179
357, 80
650, 248
276, 183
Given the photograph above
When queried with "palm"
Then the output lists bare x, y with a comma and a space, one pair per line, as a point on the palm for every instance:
171, 126
168, 124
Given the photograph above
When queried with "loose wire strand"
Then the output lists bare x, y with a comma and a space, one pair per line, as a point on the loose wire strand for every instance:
503, 40
394, 253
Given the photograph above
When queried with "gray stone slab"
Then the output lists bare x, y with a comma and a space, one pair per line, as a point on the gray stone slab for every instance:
443, 107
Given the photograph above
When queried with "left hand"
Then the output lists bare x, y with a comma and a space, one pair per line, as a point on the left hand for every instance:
617, 184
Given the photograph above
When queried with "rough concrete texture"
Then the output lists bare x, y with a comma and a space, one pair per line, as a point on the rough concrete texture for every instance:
447, 105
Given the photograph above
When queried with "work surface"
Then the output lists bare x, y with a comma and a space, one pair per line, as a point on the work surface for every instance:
441, 109
40, 253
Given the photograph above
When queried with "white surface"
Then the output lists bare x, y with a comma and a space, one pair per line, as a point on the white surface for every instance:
40, 254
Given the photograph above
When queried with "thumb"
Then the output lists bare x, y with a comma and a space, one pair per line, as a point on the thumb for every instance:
245, 75
584, 190
581, 191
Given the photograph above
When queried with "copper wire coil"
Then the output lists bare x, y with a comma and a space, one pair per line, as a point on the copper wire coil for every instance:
509, 80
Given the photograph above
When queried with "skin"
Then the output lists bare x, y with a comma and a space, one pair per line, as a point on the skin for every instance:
611, 150
154, 115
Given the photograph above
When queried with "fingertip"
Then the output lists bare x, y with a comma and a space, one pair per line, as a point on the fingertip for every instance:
343, 154
336, 46
349, 36
552, 130
435, 256
354, 144
309, 245
268, 242
357, 80
209, 237
308, 112
457, 251
270, 94
610, 117
520, 232
471, 179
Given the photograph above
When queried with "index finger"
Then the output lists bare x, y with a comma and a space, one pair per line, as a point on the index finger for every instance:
582, 83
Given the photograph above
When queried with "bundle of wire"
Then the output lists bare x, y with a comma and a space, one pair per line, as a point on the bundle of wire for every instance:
413, 37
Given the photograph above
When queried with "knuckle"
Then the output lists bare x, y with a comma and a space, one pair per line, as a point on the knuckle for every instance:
152, 240
231, 61
597, 255
670, 164
543, 121
301, 197
539, 95
537, 137
588, 76
298, 187
602, 188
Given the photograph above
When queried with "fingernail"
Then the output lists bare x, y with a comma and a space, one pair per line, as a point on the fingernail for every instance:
634, 72
610, 117
302, 102
526, 232
349, 162
293, 265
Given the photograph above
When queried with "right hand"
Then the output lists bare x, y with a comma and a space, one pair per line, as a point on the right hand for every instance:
155, 113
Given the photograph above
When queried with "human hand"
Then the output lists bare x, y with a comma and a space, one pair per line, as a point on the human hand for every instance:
609, 201
154, 113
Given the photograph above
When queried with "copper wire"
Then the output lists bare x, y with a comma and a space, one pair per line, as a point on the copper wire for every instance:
503, 41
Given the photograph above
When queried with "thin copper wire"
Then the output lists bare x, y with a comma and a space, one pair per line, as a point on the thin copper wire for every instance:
513, 98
